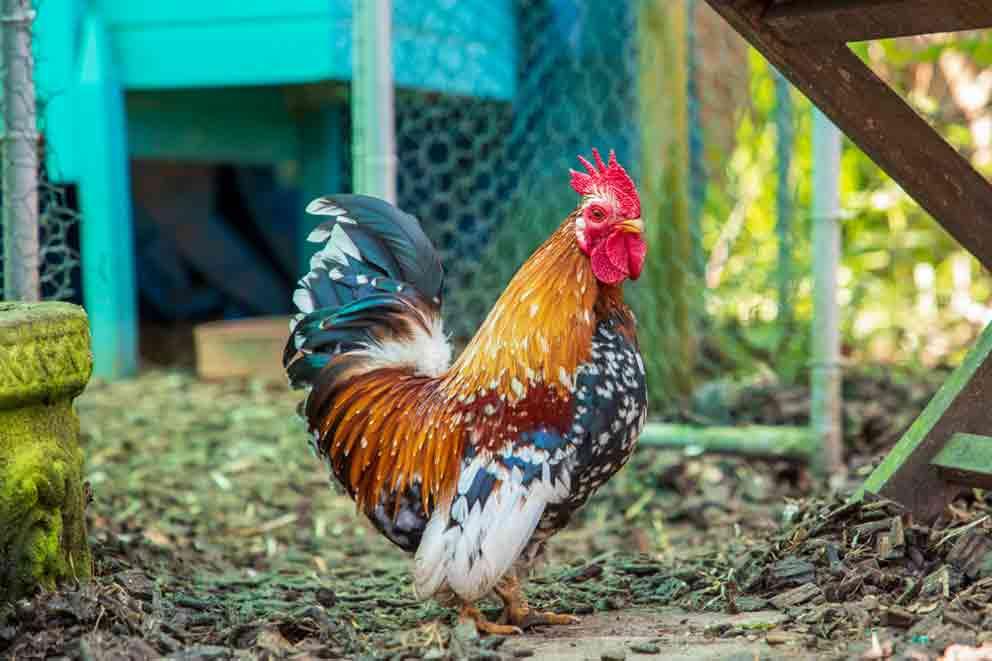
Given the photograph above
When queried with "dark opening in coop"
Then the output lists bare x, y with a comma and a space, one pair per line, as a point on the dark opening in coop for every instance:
212, 242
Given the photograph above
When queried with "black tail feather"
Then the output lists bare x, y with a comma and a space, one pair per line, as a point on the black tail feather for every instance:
377, 273
397, 232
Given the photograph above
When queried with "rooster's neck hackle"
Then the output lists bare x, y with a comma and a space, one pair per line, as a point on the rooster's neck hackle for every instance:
540, 329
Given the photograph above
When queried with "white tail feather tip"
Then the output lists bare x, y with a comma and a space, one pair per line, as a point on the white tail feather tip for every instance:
322, 206
303, 301
343, 242
319, 235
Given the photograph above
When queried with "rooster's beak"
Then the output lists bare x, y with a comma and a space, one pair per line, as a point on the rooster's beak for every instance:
633, 226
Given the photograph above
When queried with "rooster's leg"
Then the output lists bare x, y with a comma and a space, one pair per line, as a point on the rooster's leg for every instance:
471, 613
517, 612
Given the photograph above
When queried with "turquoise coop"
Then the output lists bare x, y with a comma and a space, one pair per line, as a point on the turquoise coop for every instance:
195, 132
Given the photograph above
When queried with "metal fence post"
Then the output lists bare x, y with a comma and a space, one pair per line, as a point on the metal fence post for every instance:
826, 373
784, 205
21, 268
372, 108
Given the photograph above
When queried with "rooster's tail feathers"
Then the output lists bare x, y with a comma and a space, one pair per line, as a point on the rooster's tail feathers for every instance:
383, 238
373, 291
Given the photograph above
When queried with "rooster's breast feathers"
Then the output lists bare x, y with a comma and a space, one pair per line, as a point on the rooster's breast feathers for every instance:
518, 494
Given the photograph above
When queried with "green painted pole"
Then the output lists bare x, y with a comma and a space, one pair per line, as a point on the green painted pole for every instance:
106, 235
372, 109
795, 443
825, 415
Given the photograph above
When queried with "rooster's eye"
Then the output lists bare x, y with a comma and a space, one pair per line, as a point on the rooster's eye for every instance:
597, 214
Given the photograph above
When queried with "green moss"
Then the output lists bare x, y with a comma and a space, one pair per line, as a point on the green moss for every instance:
44, 352
42, 529
44, 363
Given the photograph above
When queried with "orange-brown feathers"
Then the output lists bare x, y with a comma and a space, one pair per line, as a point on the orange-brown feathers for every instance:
539, 330
386, 430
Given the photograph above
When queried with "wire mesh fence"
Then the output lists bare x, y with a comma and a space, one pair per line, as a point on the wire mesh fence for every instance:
58, 258
37, 254
665, 84
503, 97
485, 141
722, 148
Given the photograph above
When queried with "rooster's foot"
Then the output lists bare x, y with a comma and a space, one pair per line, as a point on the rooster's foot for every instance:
524, 617
517, 612
472, 614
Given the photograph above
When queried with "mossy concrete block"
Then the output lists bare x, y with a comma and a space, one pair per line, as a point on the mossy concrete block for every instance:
45, 361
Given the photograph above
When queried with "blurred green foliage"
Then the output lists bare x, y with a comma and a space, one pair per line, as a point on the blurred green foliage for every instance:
909, 293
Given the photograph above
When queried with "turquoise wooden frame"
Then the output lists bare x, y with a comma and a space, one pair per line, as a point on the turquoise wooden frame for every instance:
223, 81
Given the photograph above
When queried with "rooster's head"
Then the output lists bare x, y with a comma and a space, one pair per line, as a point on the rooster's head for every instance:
608, 225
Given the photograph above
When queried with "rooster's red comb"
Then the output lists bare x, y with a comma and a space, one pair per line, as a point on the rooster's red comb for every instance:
608, 178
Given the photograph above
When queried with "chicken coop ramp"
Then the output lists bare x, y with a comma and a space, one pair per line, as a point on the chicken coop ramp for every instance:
949, 447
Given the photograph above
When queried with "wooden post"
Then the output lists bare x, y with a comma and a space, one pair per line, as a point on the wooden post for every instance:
877, 119
864, 20
907, 475
806, 42
106, 234
374, 142
669, 274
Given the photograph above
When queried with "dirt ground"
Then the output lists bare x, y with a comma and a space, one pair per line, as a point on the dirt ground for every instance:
217, 536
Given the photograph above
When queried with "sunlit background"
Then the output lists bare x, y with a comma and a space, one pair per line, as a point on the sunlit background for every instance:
207, 127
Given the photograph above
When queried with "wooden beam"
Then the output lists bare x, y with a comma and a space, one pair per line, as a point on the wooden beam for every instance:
966, 460
110, 293
907, 475
862, 20
901, 142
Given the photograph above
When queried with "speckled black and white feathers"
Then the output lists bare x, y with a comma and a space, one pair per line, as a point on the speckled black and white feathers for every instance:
610, 412
509, 502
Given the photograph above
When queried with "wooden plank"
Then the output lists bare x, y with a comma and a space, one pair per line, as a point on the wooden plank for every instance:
244, 125
56, 45
130, 14
106, 233
901, 142
241, 348
907, 475
235, 53
465, 48
794, 443
966, 460
862, 20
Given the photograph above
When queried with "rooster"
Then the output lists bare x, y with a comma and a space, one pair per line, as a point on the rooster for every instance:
472, 465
